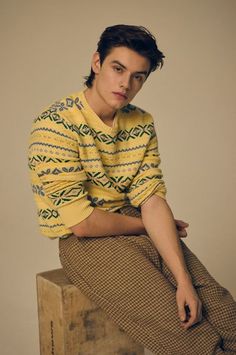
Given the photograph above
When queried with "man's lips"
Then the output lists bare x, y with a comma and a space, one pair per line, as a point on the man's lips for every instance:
120, 94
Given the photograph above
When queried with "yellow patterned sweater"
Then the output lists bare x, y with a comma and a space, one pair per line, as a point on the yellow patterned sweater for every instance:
78, 163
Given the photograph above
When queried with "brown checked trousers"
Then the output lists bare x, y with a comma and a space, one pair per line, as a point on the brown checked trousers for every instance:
127, 278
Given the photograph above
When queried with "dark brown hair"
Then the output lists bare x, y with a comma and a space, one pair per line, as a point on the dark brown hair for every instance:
137, 38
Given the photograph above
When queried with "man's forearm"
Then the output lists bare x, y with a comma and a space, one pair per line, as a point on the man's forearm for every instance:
160, 226
101, 224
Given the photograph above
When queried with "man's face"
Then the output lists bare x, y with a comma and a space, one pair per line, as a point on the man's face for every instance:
119, 78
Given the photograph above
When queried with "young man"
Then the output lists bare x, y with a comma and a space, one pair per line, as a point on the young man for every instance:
96, 179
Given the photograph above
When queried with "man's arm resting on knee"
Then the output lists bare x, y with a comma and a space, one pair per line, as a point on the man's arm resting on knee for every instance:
101, 224
160, 225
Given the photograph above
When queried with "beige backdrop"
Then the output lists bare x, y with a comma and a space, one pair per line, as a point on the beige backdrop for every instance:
47, 50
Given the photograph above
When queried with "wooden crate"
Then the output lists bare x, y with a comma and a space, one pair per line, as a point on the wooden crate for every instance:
70, 324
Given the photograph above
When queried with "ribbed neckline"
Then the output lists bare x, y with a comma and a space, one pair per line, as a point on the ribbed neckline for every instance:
98, 121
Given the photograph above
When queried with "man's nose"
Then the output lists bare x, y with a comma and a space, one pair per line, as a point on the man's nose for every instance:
126, 81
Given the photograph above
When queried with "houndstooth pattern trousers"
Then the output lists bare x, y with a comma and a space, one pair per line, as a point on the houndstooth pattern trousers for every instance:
128, 279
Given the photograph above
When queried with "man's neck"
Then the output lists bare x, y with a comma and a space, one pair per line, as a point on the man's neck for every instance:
99, 107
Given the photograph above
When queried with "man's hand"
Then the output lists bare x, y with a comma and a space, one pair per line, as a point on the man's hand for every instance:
188, 304
181, 228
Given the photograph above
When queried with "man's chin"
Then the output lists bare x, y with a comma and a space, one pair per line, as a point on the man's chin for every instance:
123, 104
118, 106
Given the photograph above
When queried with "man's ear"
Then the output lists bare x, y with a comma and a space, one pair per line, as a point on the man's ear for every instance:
96, 65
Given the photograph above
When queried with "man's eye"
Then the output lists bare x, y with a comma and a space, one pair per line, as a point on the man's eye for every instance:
138, 77
118, 69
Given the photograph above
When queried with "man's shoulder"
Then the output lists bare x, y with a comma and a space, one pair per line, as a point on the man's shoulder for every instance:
137, 113
66, 103
61, 111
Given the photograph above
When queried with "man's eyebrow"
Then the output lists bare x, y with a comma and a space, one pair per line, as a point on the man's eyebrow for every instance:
124, 67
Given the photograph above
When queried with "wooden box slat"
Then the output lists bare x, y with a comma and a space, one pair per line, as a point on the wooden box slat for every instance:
70, 324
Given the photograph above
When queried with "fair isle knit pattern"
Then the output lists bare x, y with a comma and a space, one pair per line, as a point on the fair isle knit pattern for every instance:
78, 163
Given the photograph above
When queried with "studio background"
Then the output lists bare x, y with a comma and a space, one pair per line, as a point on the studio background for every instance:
45, 52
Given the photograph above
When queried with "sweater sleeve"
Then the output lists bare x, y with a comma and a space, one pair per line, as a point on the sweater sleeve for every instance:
149, 178
54, 159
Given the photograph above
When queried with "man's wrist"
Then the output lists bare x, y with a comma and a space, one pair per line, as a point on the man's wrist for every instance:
183, 278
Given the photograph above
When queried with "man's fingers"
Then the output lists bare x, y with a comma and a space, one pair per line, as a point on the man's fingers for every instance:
182, 313
188, 304
194, 315
182, 233
181, 228
181, 224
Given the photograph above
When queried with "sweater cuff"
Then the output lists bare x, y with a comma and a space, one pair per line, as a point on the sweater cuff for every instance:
75, 212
